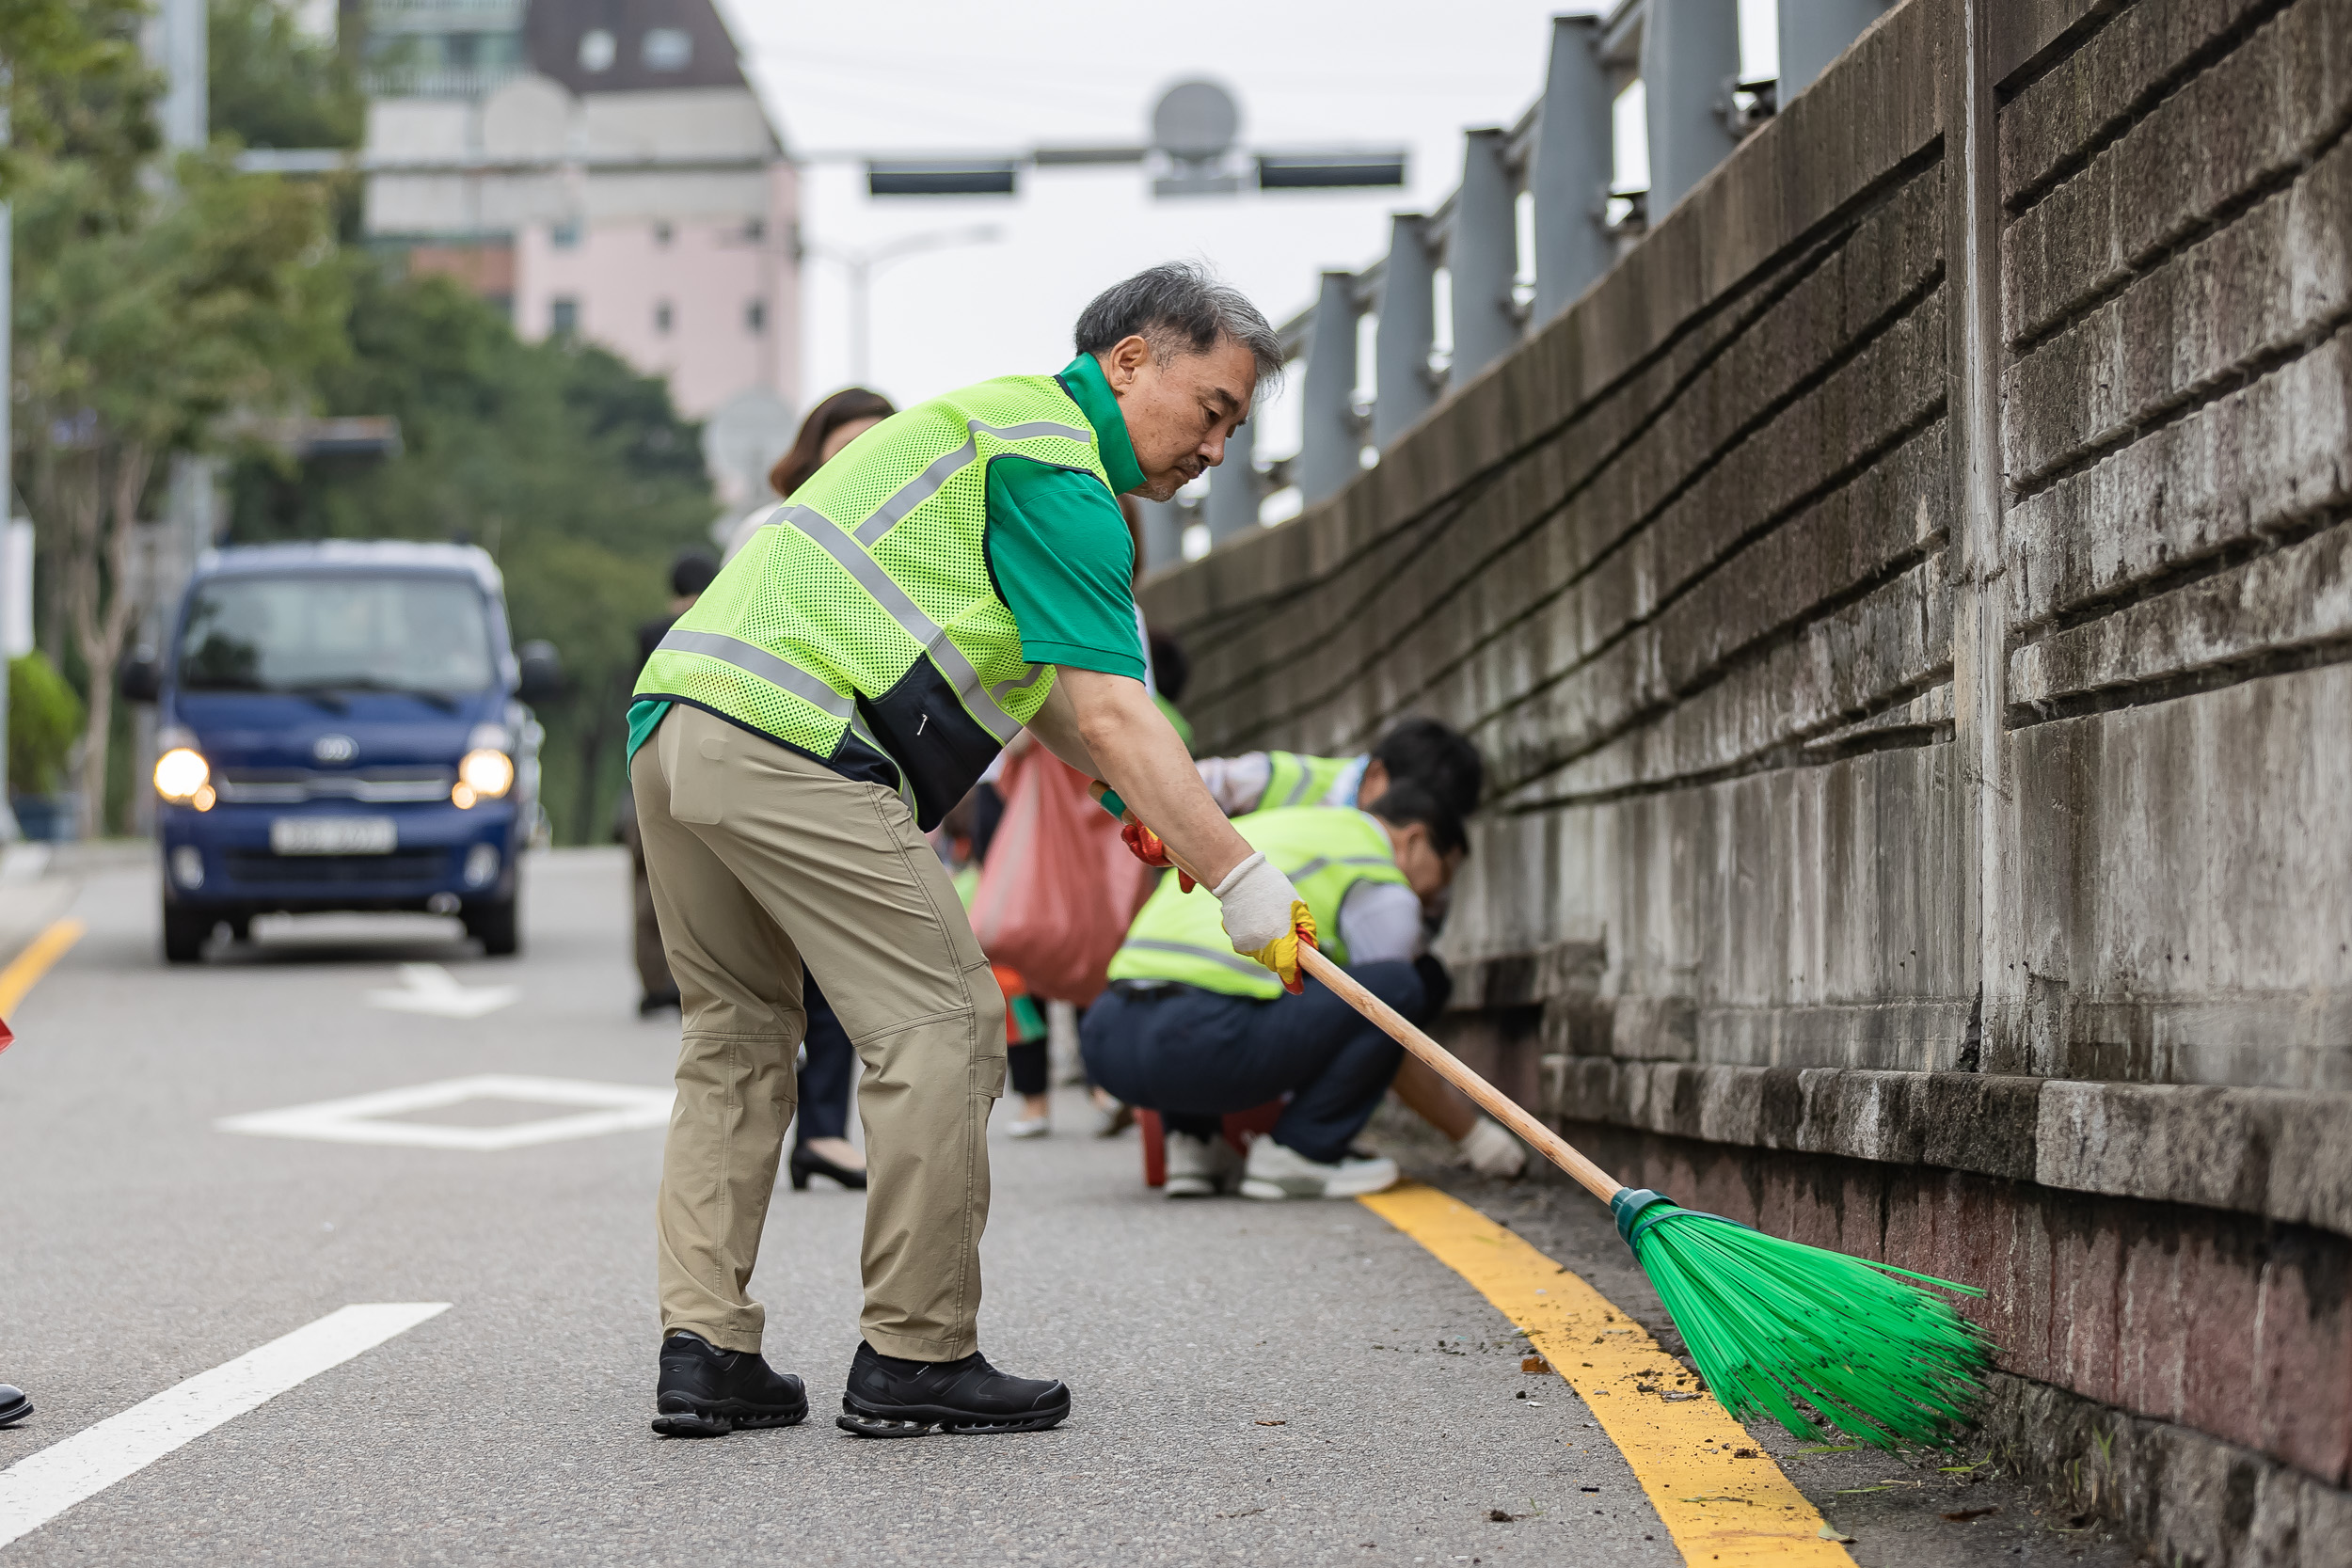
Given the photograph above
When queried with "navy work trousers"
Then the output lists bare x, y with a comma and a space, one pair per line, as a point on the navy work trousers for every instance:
1193, 1055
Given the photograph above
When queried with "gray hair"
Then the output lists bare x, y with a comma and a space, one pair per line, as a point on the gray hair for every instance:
1178, 307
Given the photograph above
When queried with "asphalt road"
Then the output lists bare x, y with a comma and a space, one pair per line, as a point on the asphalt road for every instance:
1261, 1382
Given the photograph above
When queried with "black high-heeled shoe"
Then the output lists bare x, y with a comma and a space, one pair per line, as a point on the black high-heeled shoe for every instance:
805, 1161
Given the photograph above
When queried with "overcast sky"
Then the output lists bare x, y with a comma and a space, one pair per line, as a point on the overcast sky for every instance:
943, 76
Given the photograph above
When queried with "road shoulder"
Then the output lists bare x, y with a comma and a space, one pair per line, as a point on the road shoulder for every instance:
1927, 1509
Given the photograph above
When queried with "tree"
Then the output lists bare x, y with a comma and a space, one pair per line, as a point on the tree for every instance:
140, 322
574, 470
273, 84
74, 81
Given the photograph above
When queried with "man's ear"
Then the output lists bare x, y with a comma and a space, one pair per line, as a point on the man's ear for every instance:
1123, 359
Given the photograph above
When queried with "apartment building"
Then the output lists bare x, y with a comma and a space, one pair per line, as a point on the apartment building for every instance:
603, 168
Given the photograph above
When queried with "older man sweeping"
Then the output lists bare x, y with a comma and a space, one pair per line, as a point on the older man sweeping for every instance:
958, 573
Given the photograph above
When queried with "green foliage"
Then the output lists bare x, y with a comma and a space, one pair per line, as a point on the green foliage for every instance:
273, 84
45, 719
152, 325
1776, 1325
78, 87
145, 324
571, 468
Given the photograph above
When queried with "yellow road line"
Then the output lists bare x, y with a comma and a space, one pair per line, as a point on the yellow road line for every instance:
1718, 1507
31, 964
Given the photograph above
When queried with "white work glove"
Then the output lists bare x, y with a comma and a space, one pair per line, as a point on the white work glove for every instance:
1265, 917
1490, 1150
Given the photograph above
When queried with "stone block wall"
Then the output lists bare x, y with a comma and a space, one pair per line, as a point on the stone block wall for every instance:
1904, 610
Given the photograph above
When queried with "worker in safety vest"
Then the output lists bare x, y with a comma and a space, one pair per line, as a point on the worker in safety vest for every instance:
1189, 1031
1442, 759
1438, 756
957, 573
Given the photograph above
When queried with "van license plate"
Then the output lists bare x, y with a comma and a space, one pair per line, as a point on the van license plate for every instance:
332, 835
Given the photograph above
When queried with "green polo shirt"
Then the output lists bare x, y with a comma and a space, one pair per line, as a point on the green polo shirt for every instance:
1060, 547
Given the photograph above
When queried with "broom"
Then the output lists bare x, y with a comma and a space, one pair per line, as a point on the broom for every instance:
1774, 1325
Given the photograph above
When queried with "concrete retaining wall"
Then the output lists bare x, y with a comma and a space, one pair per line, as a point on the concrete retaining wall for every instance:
1907, 611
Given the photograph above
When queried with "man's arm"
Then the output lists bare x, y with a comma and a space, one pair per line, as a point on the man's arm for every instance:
1238, 784
1109, 726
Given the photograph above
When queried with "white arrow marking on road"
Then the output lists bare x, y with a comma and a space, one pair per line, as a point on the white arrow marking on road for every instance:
606, 1108
39, 1487
430, 989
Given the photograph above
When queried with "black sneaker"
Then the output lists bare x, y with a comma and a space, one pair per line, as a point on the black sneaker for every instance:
14, 1406
708, 1392
891, 1398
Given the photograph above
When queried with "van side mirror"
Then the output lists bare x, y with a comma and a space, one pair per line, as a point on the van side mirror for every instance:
141, 679
541, 677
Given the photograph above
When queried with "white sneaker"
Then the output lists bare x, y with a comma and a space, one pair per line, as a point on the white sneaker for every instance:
1029, 1127
1490, 1150
1199, 1168
1274, 1172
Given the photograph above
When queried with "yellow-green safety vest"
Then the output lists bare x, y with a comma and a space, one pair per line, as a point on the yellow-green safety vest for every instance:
1324, 850
1293, 779
862, 625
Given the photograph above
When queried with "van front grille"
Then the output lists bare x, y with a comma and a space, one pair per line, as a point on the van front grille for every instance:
403, 865
291, 786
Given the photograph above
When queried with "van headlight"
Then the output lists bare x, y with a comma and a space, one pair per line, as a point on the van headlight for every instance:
183, 777
483, 774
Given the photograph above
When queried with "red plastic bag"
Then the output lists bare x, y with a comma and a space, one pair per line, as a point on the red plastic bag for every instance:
1058, 889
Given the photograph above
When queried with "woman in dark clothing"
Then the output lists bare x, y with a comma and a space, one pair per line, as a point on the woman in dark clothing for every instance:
820, 1143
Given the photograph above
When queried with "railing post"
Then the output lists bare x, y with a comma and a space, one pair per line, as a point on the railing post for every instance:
1570, 178
1816, 32
1483, 256
1232, 506
1408, 325
1690, 59
1163, 535
1330, 443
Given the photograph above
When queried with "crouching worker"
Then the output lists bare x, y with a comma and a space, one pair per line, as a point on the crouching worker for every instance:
1442, 760
1436, 756
1186, 1030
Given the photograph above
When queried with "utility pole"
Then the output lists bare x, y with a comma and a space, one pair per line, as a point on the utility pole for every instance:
177, 45
861, 264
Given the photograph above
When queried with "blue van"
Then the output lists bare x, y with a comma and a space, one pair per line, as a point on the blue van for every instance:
342, 725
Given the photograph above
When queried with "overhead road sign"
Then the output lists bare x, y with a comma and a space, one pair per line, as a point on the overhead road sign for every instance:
1302, 171
941, 177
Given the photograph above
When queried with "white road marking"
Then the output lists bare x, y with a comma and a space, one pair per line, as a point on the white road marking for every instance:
39, 1487
614, 1108
432, 989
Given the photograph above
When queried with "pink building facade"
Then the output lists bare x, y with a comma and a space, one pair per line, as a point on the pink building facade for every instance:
710, 301
622, 183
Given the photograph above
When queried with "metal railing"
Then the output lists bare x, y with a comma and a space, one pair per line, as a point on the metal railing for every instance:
1561, 156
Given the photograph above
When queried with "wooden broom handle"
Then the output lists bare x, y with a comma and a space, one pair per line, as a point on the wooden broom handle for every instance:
1449, 1067
1399, 1028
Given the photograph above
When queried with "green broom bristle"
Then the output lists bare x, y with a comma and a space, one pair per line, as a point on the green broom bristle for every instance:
1774, 1323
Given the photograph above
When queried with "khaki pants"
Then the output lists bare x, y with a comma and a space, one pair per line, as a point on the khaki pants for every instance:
761, 857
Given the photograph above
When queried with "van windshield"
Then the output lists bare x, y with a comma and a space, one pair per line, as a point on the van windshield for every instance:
315, 631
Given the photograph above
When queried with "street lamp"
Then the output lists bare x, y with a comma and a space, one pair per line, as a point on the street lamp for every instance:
861, 264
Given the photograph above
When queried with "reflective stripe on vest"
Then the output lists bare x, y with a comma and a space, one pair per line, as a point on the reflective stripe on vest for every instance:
1296, 779
925, 484
1325, 850
1224, 955
752, 659
890, 632
925, 631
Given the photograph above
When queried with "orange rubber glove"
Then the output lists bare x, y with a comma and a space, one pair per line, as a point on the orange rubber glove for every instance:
1147, 846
